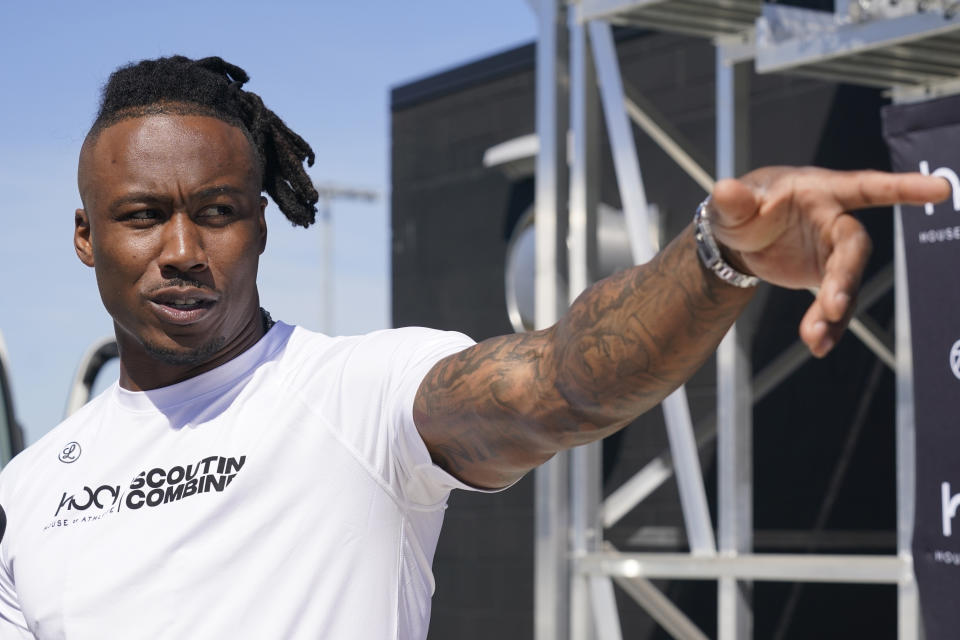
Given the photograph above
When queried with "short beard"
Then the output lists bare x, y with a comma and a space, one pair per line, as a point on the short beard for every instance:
199, 355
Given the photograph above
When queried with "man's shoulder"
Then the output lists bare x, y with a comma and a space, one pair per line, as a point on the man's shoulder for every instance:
314, 360
381, 343
398, 334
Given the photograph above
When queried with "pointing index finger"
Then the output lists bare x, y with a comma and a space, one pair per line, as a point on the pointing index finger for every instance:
864, 189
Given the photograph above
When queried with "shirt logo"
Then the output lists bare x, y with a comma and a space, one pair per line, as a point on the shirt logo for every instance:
955, 359
70, 453
149, 488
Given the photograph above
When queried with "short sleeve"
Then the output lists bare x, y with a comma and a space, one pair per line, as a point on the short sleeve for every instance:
363, 389
424, 482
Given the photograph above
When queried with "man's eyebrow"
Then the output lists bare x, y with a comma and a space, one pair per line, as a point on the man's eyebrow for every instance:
139, 197
146, 197
217, 190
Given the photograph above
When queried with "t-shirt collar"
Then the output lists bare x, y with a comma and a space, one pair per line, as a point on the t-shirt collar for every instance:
222, 376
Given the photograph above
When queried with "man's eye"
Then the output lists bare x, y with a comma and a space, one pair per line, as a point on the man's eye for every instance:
217, 210
146, 214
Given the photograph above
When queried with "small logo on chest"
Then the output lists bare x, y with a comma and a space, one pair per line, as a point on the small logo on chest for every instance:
70, 453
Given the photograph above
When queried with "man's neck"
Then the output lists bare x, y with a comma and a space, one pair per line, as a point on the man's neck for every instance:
142, 370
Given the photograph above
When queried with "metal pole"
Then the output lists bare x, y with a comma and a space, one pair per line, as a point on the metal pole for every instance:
625, 162
605, 608
661, 609
908, 599
585, 461
773, 567
645, 116
683, 446
551, 558
734, 401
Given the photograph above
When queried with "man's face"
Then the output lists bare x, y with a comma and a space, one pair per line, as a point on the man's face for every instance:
173, 224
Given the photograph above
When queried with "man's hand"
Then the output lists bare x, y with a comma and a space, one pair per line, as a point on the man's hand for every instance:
493, 412
791, 227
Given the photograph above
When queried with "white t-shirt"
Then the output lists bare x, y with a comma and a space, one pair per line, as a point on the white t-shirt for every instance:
285, 494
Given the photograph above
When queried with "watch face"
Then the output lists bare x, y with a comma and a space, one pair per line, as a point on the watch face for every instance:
707, 248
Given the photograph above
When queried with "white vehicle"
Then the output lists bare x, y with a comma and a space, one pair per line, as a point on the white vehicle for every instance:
11, 436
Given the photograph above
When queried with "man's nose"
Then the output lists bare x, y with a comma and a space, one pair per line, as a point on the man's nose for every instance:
182, 246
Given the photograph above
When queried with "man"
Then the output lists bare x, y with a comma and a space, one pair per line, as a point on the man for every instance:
247, 478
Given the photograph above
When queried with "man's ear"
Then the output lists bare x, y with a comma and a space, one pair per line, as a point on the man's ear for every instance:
81, 237
263, 224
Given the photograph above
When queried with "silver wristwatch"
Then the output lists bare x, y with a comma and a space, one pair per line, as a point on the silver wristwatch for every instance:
709, 252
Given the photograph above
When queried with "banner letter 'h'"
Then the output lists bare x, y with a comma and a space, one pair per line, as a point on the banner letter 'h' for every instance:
949, 506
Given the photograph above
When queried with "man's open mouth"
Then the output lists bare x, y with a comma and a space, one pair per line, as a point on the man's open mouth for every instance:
187, 303
182, 307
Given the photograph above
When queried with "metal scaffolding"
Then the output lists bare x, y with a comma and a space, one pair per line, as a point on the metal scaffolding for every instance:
899, 46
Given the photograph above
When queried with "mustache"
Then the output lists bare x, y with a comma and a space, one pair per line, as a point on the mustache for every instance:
181, 283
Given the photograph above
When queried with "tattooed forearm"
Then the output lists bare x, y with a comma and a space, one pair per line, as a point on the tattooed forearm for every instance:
496, 410
628, 342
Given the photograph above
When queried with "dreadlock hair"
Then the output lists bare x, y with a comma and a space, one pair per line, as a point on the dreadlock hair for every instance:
213, 87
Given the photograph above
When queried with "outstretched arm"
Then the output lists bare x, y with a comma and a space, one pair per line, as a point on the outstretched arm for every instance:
493, 412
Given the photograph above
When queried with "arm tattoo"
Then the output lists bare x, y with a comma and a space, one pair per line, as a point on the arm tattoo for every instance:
493, 412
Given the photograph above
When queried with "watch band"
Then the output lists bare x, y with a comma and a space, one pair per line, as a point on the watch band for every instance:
709, 252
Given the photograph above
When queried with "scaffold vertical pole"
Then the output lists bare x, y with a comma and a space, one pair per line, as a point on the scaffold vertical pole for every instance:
683, 447
585, 461
551, 486
908, 599
734, 394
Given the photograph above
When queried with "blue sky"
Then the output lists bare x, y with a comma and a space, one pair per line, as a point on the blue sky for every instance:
325, 67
